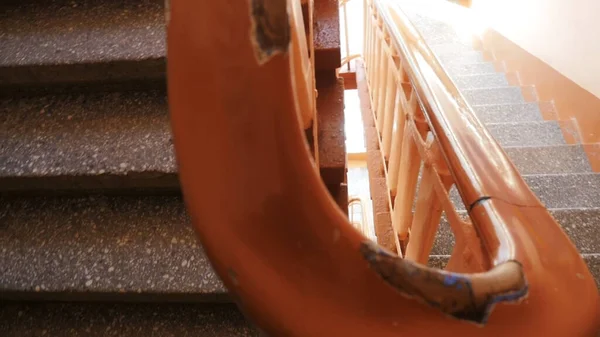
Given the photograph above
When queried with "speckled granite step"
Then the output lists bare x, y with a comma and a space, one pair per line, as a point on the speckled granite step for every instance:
102, 248
545, 133
123, 320
502, 113
464, 69
448, 49
472, 56
549, 159
118, 142
95, 141
480, 81
76, 42
581, 190
331, 133
581, 224
59, 45
326, 28
500, 95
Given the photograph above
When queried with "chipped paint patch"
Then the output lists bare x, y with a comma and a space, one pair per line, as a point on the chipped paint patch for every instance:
270, 33
454, 294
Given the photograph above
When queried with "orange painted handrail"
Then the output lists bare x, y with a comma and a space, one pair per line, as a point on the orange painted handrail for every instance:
287, 254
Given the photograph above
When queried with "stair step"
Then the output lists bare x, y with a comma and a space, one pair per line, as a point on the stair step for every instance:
527, 133
582, 226
331, 133
549, 159
500, 113
481, 81
95, 320
581, 190
567, 190
465, 57
118, 142
111, 141
450, 48
66, 42
88, 44
102, 248
592, 261
500, 95
464, 69
326, 29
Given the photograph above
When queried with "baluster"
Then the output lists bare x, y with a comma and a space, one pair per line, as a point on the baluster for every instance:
383, 70
398, 131
376, 61
428, 212
389, 107
369, 46
408, 171
366, 40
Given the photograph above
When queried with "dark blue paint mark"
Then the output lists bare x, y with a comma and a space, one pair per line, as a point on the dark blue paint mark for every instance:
450, 280
511, 297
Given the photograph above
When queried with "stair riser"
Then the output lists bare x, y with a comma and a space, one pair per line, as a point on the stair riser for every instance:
127, 75
99, 320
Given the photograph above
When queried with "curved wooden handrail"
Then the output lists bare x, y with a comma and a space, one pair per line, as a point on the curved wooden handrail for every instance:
287, 254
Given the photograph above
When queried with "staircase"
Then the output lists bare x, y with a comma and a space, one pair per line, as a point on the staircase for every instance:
94, 237
546, 151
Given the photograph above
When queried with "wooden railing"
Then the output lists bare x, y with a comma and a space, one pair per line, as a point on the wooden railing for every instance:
427, 131
289, 257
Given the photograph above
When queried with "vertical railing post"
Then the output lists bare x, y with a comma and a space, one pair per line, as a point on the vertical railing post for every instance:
408, 170
383, 76
429, 206
376, 60
366, 40
390, 105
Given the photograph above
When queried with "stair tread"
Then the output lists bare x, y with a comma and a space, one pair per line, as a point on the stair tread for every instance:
480, 81
61, 32
473, 56
575, 190
87, 136
102, 248
49, 47
500, 113
326, 29
549, 159
543, 133
462, 69
331, 136
500, 95
86, 42
448, 48
84, 319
